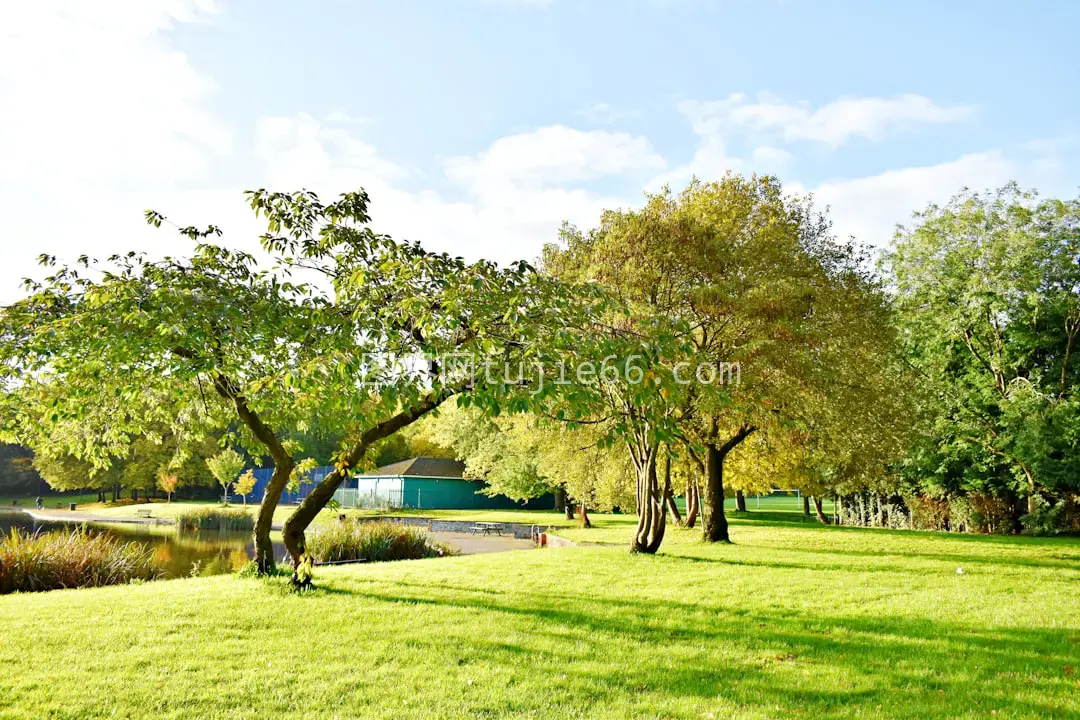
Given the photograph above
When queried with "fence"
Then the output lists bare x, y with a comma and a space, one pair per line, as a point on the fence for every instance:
370, 498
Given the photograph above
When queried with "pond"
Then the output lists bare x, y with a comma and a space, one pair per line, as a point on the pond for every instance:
177, 554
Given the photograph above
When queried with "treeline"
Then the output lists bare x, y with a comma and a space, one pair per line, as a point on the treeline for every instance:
717, 339
937, 392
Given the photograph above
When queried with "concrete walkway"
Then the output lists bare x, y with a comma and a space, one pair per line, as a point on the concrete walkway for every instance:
69, 516
469, 544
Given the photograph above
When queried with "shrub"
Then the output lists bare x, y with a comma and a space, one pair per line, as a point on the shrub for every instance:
50, 561
990, 514
928, 513
373, 541
1060, 519
216, 518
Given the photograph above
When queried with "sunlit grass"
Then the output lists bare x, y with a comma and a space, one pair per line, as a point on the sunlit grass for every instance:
788, 621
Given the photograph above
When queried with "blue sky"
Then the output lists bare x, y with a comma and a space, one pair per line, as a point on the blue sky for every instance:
479, 125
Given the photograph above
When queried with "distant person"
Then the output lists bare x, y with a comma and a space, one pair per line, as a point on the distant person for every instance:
40, 503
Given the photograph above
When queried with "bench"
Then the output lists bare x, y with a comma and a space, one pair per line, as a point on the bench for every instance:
142, 513
487, 528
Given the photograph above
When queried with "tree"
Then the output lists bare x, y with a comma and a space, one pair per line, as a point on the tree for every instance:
226, 466
124, 346
245, 484
17, 474
167, 481
745, 268
988, 292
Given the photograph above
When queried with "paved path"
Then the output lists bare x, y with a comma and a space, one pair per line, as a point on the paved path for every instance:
469, 544
67, 516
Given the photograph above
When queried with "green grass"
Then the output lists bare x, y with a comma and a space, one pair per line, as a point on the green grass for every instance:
51, 501
792, 620
174, 509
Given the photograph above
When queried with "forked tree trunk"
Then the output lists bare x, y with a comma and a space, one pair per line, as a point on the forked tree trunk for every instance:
820, 513
740, 501
651, 519
716, 527
293, 531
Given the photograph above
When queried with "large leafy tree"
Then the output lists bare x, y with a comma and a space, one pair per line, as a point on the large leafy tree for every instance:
750, 273
988, 290
217, 338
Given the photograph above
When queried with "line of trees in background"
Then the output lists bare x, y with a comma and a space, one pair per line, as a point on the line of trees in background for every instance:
936, 390
936, 393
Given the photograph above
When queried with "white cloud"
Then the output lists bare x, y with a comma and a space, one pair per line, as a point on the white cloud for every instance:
832, 124
100, 118
90, 92
769, 159
602, 114
520, 3
515, 194
869, 208
551, 155
768, 120
303, 147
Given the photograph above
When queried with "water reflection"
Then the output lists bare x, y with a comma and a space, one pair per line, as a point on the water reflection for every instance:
177, 554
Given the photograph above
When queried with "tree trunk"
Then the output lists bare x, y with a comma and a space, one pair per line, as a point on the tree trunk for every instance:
560, 499
585, 523
673, 509
651, 518
715, 526
806, 505
819, 511
293, 531
264, 547
568, 508
669, 494
693, 495
1032, 500
740, 501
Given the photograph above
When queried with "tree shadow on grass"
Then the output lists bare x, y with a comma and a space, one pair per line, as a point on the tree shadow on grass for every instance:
670, 649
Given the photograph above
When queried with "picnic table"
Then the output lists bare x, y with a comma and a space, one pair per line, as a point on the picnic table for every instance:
487, 528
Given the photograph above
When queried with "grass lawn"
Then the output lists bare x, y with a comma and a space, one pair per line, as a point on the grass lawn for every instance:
50, 501
531, 517
789, 506
792, 620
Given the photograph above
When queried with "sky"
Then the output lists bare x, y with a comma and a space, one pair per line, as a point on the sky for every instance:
479, 126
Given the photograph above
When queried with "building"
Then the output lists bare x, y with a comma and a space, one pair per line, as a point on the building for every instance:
424, 483
428, 483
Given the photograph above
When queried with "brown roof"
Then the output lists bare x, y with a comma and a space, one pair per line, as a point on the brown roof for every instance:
423, 467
